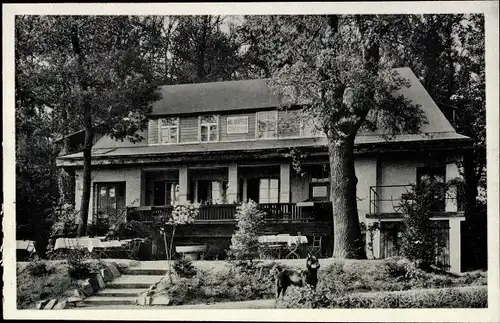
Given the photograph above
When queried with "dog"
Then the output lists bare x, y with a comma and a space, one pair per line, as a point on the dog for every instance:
286, 277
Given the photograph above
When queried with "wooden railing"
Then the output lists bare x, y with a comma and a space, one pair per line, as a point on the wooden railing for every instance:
274, 212
388, 198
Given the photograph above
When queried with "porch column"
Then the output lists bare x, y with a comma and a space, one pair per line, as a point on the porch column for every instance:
183, 184
455, 246
452, 172
232, 189
284, 183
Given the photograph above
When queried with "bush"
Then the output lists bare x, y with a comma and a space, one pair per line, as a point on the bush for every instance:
420, 241
78, 267
64, 221
463, 297
131, 230
244, 242
37, 268
184, 268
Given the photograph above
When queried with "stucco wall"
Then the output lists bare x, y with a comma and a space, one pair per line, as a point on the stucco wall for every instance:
366, 172
131, 176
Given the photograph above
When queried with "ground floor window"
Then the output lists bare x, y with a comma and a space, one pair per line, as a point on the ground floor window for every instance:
109, 199
165, 193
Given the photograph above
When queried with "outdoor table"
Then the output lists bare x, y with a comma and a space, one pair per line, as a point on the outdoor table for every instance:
27, 245
281, 240
78, 243
25, 249
293, 244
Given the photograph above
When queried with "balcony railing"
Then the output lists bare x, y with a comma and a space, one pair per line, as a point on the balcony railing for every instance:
274, 212
387, 199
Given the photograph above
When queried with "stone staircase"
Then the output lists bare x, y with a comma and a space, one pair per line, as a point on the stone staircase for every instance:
125, 289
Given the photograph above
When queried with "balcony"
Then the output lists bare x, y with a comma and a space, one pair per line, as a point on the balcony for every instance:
385, 201
220, 220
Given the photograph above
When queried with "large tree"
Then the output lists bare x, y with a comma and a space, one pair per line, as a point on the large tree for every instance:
104, 83
333, 68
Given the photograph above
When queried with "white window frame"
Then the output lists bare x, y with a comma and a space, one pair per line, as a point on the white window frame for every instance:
209, 124
257, 125
161, 128
268, 190
318, 134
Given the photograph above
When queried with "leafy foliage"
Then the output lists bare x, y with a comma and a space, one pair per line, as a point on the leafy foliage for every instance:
184, 268
78, 265
65, 221
419, 239
244, 242
37, 268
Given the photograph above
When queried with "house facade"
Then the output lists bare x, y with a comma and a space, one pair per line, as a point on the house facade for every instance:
223, 143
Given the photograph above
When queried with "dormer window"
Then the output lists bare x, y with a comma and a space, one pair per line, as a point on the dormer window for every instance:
267, 124
169, 131
209, 128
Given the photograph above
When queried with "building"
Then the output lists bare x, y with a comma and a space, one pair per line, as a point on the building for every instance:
225, 142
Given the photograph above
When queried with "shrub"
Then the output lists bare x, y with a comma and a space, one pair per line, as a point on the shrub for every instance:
184, 268
64, 221
420, 241
464, 297
244, 242
100, 227
37, 268
78, 267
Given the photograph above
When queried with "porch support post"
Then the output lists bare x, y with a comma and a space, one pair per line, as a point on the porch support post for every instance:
183, 184
245, 189
232, 189
284, 183
452, 172
455, 246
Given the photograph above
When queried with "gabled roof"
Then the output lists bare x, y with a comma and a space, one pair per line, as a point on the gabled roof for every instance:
214, 97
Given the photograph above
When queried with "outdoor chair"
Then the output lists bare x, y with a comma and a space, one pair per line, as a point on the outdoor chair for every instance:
132, 249
315, 249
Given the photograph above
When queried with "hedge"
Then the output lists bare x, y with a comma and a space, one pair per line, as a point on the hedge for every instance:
458, 297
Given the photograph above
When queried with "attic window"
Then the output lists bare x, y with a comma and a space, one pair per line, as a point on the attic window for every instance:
209, 128
169, 131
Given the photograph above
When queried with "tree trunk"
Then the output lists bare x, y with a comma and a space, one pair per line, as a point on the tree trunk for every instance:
87, 171
348, 242
65, 179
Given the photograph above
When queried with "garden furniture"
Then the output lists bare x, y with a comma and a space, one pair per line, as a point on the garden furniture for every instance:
315, 249
25, 248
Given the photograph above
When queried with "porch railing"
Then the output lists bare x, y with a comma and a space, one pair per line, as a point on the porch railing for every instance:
274, 212
388, 198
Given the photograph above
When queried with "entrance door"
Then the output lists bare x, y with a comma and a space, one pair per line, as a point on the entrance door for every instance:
110, 199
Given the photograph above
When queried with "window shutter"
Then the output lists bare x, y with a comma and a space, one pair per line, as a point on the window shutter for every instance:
153, 132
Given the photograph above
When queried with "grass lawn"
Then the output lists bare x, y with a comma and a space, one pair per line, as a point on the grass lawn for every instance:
221, 281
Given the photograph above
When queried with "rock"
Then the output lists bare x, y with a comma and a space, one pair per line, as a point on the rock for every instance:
114, 271
62, 305
50, 304
74, 299
77, 293
94, 283
41, 304
100, 281
143, 299
107, 275
117, 266
87, 289
160, 300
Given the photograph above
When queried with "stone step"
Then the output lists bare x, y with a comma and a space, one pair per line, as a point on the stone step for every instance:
121, 292
145, 271
103, 300
134, 281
